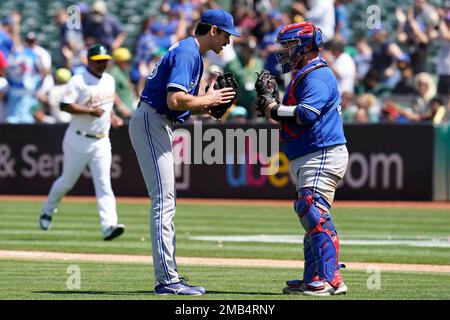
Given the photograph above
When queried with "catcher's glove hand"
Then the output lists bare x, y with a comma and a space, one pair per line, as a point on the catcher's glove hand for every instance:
266, 91
226, 80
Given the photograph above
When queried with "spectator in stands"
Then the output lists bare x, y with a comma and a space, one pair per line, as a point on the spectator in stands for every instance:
3, 87
425, 90
125, 100
144, 50
396, 114
348, 108
370, 104
72, 47
363, 58
342, 16
45, 59
51, 111
245, 66
165, 34
416, 29
361, 116
342, 65
245, 18
372, 84
320, 13
190, 9
436, 111
268, 43
443, 56
385, 57
389, 114
25, 75
237, 114
6, 42
405, 86
101, 27
3, 65
152, 43
31, 42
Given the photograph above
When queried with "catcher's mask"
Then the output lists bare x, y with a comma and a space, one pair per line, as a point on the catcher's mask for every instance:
296, 40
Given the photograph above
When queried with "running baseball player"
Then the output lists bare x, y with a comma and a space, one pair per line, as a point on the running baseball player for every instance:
89, 98
314, 142
171, 95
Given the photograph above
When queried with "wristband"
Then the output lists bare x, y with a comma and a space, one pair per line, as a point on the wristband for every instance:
283, 113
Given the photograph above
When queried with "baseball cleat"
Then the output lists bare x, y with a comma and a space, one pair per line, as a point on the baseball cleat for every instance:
326, 290
45, 221
178, 288
184, 281
294, 287
113, 232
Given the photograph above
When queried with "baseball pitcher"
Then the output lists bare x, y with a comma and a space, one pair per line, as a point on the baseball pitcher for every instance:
171, 95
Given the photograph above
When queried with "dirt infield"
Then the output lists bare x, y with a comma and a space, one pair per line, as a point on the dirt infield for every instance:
248, 202
116, 258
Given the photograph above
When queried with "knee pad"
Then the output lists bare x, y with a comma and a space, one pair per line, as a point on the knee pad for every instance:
306, 209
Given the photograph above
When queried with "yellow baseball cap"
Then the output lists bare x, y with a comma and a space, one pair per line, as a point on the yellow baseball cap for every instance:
121, 54
98, 52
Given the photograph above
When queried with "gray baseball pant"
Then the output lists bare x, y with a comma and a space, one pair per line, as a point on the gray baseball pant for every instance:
151, 137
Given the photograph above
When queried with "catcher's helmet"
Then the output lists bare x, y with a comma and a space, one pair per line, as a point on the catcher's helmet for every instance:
297, 40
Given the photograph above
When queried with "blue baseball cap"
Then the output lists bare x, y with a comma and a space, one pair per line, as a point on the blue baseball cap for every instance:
220, 18
7, 21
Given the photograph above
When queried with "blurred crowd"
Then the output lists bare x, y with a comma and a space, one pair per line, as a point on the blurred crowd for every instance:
384, 74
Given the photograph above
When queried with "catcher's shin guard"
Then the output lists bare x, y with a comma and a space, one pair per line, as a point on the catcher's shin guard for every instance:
310, 268
321, 240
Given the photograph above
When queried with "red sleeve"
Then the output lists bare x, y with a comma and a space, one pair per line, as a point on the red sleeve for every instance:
3, 62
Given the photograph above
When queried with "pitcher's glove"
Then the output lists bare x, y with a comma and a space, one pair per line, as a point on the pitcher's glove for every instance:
266, 91
226, 80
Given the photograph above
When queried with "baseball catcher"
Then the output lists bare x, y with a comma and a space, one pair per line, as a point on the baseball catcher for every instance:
266, 91
226, 80
311, 129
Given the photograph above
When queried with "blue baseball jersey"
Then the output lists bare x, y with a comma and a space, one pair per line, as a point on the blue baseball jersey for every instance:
181, 68
317, 100
6, 43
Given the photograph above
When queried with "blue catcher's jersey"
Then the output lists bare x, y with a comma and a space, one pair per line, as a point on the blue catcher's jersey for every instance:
181, 68
316, 95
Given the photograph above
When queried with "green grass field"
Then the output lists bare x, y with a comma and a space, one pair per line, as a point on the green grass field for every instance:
413, 236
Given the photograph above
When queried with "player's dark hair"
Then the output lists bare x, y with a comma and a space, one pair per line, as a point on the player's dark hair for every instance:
203, 28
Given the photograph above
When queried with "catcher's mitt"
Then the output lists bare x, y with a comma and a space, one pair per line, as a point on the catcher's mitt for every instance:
266, 91
226, 80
